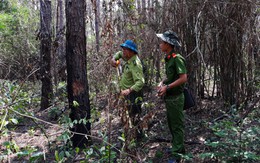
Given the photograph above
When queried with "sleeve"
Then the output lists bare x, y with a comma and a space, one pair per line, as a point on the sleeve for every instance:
138, 77
118, 55
180, 66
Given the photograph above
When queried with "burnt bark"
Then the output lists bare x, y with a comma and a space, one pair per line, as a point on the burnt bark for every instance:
45, 52
77, 83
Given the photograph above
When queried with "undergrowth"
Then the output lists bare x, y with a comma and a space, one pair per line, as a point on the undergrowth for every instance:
234, 139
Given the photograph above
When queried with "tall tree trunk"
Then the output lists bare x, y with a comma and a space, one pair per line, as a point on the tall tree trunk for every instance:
252, 46
143, 10
45, 52
97, 14
231, 37
190, 44
77, 70
60, 43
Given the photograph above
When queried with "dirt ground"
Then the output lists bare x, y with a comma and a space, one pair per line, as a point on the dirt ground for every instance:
152, 148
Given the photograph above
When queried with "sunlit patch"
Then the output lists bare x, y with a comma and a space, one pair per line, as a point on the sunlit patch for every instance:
202, 139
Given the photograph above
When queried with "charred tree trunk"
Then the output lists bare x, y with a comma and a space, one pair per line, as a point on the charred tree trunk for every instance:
77, 71
45, 52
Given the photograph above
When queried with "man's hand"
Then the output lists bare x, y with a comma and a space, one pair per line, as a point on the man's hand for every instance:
161, 91
114, 62
126, 92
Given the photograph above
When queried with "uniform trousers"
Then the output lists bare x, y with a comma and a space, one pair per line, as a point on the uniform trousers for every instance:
175, 118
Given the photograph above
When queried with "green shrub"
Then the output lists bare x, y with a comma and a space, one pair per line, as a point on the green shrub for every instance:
233, 142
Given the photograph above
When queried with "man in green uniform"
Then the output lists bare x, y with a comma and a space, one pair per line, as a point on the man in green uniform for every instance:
132, 80
172, 90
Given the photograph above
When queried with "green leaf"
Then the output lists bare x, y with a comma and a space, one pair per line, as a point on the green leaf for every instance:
75, 104
2, 26
11, 87
250, 155
71, 125
15, 121
4, 122
207, 155
90, 151
57, 156
80, 121
7, 143
61, 85
61, 155
23, 153
75, 121
121, 138
102, 149
36, 156
84, 121
213, 144
67, 154
77, 150
221, 134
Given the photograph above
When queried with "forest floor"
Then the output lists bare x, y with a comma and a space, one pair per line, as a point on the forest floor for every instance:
152, 148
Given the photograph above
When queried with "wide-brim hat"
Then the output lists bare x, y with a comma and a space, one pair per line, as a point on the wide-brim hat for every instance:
130, 45
170, 37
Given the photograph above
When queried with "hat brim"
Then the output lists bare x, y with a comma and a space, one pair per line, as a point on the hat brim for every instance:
128, 47
161, 36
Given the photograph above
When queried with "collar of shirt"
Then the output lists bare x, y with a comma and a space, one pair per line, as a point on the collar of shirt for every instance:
131, 59
166, 56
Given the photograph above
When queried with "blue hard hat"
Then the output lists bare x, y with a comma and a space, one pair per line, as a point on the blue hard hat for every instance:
130, 45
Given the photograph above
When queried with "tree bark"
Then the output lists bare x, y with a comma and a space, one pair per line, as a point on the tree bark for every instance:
97, 14
60, 44
45, 52
77, 83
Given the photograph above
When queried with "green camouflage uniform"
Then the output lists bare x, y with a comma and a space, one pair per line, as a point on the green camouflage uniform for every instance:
174, 101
